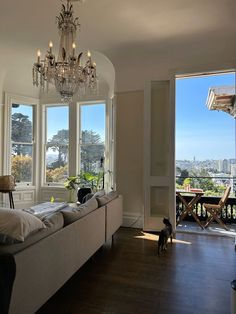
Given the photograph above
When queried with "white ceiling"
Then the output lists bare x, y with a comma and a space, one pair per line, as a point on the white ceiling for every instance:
142, 38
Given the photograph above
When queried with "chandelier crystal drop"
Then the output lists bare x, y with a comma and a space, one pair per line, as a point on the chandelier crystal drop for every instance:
66, 73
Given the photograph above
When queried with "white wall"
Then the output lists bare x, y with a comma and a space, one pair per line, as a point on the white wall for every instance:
129, 154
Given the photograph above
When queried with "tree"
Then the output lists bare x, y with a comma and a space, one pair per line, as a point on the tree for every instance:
205, 181
183, 174
59, 143
56, 175
21, 132
21, 168
92, 149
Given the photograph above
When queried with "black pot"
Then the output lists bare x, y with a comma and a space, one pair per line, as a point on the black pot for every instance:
82, 192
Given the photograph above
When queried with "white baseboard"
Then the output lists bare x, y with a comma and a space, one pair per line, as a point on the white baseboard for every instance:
132, 220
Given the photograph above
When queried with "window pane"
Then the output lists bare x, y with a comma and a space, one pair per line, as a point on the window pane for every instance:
57, 143
91, 157
21, 162
93, 124
22, 138
22, 123
92, 137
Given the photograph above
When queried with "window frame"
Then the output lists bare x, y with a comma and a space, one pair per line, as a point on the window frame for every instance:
79, 133
109, 142
26, 101
74, 142
44, 143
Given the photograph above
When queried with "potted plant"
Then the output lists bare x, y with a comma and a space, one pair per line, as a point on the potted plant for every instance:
89, 183
84, 183
71, 184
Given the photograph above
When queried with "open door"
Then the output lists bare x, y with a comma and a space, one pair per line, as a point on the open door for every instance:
159, 154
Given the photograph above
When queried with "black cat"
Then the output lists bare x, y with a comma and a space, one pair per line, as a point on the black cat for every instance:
166, 233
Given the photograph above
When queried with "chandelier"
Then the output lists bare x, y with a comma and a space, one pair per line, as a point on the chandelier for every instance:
67, 73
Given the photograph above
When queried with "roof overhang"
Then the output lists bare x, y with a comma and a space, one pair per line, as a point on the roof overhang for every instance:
222, 98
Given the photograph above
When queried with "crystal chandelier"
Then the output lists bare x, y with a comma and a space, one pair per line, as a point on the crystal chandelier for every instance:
67, 73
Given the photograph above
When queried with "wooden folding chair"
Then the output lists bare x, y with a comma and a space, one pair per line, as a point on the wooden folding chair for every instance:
215, 210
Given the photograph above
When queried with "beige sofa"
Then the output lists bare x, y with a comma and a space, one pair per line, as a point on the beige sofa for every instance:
42, 267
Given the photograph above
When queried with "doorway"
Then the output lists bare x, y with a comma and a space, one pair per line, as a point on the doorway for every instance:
205, 141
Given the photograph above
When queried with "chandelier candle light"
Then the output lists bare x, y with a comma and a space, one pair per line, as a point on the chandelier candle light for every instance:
67, 73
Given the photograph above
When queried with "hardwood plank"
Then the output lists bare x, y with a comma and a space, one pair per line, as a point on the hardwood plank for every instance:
192, 276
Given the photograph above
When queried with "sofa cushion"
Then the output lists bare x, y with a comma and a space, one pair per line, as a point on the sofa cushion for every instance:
53, 223
72, 214
103, 200
16, 225
87, 197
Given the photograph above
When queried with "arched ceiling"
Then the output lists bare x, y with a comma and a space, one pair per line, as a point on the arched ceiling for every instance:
143, 39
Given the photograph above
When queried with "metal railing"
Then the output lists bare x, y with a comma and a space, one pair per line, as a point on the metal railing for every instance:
228, 213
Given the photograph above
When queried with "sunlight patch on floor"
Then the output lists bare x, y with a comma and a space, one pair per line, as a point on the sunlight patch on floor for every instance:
181, 242
155, 237
148, 236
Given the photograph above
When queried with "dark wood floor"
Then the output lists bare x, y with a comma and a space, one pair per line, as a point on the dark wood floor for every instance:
192, 276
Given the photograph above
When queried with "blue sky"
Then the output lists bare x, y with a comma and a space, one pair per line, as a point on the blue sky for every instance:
26, 110
57, 119
202, 133
93, 118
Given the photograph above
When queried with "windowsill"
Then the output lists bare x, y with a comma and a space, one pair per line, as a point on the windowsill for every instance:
25, 187
52, 187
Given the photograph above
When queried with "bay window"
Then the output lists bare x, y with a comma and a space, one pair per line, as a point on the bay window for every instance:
44, 144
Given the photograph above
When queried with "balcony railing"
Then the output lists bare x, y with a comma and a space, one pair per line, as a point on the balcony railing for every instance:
228, 213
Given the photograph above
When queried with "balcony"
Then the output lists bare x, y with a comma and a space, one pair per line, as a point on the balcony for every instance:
227, 215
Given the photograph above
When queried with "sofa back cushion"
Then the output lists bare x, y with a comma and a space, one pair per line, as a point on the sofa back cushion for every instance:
54, 221
103, 200
72, 214
16, 225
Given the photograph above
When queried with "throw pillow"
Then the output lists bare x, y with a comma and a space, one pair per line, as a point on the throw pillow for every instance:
16, 225
72, 214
